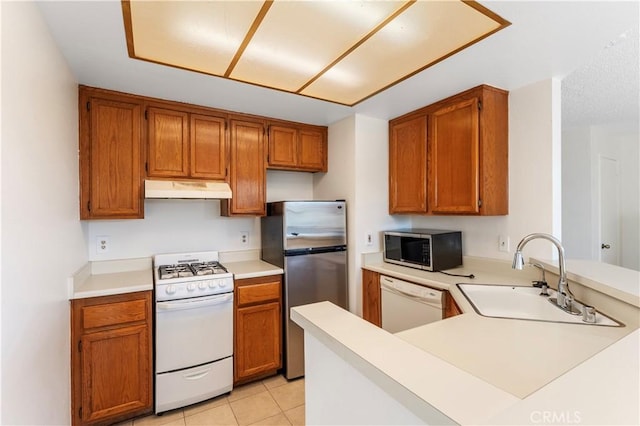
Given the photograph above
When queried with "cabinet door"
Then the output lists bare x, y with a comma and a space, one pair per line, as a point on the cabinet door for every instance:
454, 166
451, 308
247, 169
258, 339
408, 166
312, 150
208, 147
283, 146
371, 307
116, 378
110, 158
168, 143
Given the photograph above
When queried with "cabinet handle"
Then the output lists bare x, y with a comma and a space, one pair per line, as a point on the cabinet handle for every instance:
605, 246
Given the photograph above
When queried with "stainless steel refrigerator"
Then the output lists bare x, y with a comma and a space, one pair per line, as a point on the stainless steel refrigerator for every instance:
308, 239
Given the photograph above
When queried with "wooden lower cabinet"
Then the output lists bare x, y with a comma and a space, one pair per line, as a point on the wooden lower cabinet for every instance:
451, 308
111, 358
257, 328
371, 306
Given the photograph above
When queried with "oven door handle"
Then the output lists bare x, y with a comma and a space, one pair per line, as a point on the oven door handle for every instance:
200, 302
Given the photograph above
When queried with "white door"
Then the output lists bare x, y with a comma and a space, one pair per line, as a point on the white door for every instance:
609, 221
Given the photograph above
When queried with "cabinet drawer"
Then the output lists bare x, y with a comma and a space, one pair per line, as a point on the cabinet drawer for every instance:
256, 293
114, 313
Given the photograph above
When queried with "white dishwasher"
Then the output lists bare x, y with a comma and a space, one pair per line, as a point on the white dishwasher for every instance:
406, 305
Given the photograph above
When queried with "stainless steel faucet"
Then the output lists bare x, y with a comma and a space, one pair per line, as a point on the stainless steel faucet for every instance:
564, 298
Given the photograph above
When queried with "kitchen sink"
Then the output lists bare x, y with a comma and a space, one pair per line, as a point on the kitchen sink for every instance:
525, 303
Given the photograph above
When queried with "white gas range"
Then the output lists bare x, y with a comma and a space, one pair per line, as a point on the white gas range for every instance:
194, 328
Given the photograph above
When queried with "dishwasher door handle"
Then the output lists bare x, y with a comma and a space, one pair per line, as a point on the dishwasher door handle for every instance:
435, 301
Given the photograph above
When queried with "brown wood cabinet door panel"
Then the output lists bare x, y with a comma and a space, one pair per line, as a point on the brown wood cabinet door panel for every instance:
256, 293
208, 147
455, 164
408, 166
283, 146
312, 153
114, 313
248, 168
115, 160
116, 372
258, 339
168, 137
371, 297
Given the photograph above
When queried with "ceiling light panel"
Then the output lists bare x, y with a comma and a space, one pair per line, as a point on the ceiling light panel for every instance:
298, 39
201, 36
423, 34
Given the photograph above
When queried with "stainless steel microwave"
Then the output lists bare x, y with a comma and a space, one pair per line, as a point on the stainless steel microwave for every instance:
428, 249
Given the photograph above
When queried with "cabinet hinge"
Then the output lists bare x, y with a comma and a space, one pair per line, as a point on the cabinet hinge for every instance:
226, 172
479, 203
146, 114
146, 167
480, 105
79, 345
88, 205
80, 412
88, 105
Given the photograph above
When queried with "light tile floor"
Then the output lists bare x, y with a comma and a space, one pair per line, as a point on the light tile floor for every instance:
272, 401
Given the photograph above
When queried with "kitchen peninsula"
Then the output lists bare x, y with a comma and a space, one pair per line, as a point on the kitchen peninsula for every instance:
470, 369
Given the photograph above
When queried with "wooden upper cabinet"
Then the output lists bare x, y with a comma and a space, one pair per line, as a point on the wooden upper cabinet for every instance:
185, 144
208, 147
110, 155
247, 176
312, 150
297, 148
408, 166
168, 143
454, 167
283, 146
466, 171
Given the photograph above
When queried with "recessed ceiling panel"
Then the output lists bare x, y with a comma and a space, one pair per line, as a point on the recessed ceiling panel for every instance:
422, 35
298, 39
198, 35
337, 50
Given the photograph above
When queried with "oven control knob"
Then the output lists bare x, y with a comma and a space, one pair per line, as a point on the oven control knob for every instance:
191, 286
212, 283
171, 289
202, 285
221, 283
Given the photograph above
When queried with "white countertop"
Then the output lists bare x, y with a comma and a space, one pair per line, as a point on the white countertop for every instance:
252, 269
111, 277
512, 363
621, 283
106, 278
602, 389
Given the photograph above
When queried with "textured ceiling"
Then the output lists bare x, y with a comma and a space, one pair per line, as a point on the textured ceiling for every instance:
607, 89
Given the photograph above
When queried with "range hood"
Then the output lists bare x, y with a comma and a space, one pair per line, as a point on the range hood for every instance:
186, 189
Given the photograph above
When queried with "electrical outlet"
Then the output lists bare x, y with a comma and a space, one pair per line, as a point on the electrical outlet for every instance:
503, 243
368, 238
102, 244
244, 238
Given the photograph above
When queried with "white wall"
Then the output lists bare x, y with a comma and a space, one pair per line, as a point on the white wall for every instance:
358, 173
580, 210
534, 141
191, 225
42, 240
577, 219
